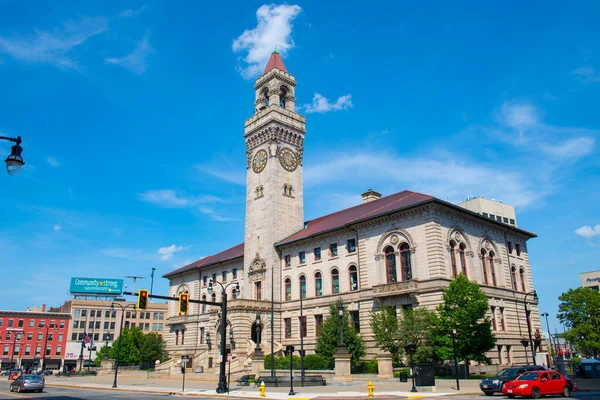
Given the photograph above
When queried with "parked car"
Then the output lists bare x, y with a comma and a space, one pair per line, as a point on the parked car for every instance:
27, 382
15, 371
537, 384
492, 385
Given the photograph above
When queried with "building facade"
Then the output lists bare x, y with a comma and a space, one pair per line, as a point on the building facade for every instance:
402, 250
102, 325
33, 340
590, 280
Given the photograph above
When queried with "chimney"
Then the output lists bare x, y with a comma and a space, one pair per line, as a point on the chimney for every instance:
43, 308
370, 195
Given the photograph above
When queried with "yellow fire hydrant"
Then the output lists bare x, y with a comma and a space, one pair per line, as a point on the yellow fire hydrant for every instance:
371, 388
262, 389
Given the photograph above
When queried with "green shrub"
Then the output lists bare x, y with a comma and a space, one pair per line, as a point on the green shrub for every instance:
315, 362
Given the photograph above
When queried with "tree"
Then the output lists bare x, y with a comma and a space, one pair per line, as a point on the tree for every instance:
329, 336
464, 308
153, 348
393, 334
579, 310
128, 352
100, 356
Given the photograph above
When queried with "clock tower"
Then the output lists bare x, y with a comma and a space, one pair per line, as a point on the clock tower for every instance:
274, 194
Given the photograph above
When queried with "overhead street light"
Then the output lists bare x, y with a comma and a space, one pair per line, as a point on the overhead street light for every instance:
14, 161
112, 308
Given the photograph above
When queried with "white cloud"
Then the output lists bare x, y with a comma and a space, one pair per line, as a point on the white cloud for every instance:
520, 125
321, 105
57, 227
52, 161
168, 198
587, 74
53, 47
128, 13
214, 215
588, 232
167, 252
273, 30
136, 60
237, 177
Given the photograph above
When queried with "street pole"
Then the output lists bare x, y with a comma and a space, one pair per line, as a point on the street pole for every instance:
12, 353
455, 360
228, 374
112, 306
529, 323
301, 342
80, 355
152, 280
272, 328
290, 351
555, 351
91, 345
44, 349
183, 378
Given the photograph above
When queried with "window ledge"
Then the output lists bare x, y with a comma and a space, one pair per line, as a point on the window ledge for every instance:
317, 261
334, 258
351, 254
302, 265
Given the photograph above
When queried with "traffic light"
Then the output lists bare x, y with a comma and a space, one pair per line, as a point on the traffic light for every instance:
183, 303
142, 299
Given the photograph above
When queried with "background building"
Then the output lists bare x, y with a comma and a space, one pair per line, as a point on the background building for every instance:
590, 280
492, 209
31, 338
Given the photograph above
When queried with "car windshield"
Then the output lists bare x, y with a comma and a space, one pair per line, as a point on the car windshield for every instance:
509, 372
529, 376
33, 378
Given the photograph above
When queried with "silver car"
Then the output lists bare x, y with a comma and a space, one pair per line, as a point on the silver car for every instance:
23, 383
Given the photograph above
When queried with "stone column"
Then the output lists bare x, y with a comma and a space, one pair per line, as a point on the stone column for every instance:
106, 366
342, 365
384, 363
258, 362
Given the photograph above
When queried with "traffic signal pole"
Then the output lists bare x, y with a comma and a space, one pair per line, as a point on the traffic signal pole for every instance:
155, 296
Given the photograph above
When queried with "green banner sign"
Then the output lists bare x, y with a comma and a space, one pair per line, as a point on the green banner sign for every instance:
108, 287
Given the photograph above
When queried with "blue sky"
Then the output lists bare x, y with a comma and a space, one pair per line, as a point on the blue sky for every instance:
132, 122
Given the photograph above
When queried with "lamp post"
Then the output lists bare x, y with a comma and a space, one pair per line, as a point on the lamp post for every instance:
546, 315
411, 349
455, 360
15, 333
525, 343
222, 386
290, 350
112, 308
535, 298
341, 319
301, 338
14, 161
40, 326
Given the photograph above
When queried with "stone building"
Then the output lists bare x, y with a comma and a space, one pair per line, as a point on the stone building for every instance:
402, 249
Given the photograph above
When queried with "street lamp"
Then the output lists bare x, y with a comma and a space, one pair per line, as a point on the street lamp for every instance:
546, 315
290, 350
112, 308
412, 349
15, 333
222, 387
455, 360
341, 319
525, 343
41, 326
14, 162
535, 298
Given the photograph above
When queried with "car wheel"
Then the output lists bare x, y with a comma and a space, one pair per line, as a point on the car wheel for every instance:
566, 392
19, 389
489, 393
535, 393
511, 396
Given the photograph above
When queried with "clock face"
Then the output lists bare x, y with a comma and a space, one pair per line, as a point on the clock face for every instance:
260, 161
288, 159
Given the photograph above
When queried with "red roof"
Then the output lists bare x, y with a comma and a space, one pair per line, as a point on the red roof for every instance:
275, 62
372, 209
226, 255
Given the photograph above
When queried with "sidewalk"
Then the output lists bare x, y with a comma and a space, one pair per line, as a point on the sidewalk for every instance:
356, 390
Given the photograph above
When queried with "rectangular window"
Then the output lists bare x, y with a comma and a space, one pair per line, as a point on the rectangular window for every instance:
112, 325
29, 336
505, 220
498, 218
302, 257
142, 315
5, 352
147, 315
318, 324
161, 315
154, 326
90, 324
20, 325
204, 280
7, 335
48, 350
73, 336
224, 276
1, 320
510, 247
201, 335
27, 350
512, 222
147, 327
78, 313
42, 323
508, 355
97, 325
303, 327
355, 318
80, 337
494, 327
83, 313
176, 336
518, 248
333, 250
258, 290
128, 314
287, 260
58, 350
485, 215
288, 327
17, 349
134, 315
38, 349
133, 324
492, 216
76, 324
234, 273
106, 314
60, 337
317, 253
182, 336
10, 323
502, 324
106, 325
155, 316
214, 277
96, 336
62, 324
92, 313
31, 323
40, 337
160, 326
50, 337
351, 245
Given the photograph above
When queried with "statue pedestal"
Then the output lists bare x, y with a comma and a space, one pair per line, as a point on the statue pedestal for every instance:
342, 365
106, 366
384, 364
258, 362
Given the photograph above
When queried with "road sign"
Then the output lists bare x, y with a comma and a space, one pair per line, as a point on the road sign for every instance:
106, 287
185, 358
229, 357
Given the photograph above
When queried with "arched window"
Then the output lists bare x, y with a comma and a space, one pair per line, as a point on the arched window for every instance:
453, 258
203, 305
353, 272
483, 266
288, 289
522, 278
492, 268
283, 95
303, 286
265, 95
405, 264
335, 281
318, 284
463, 259
513, 278
390, 264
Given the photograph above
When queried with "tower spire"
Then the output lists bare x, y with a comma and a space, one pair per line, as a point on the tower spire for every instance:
275, 62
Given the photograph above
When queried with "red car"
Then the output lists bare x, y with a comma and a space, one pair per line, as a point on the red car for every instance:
537, 384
